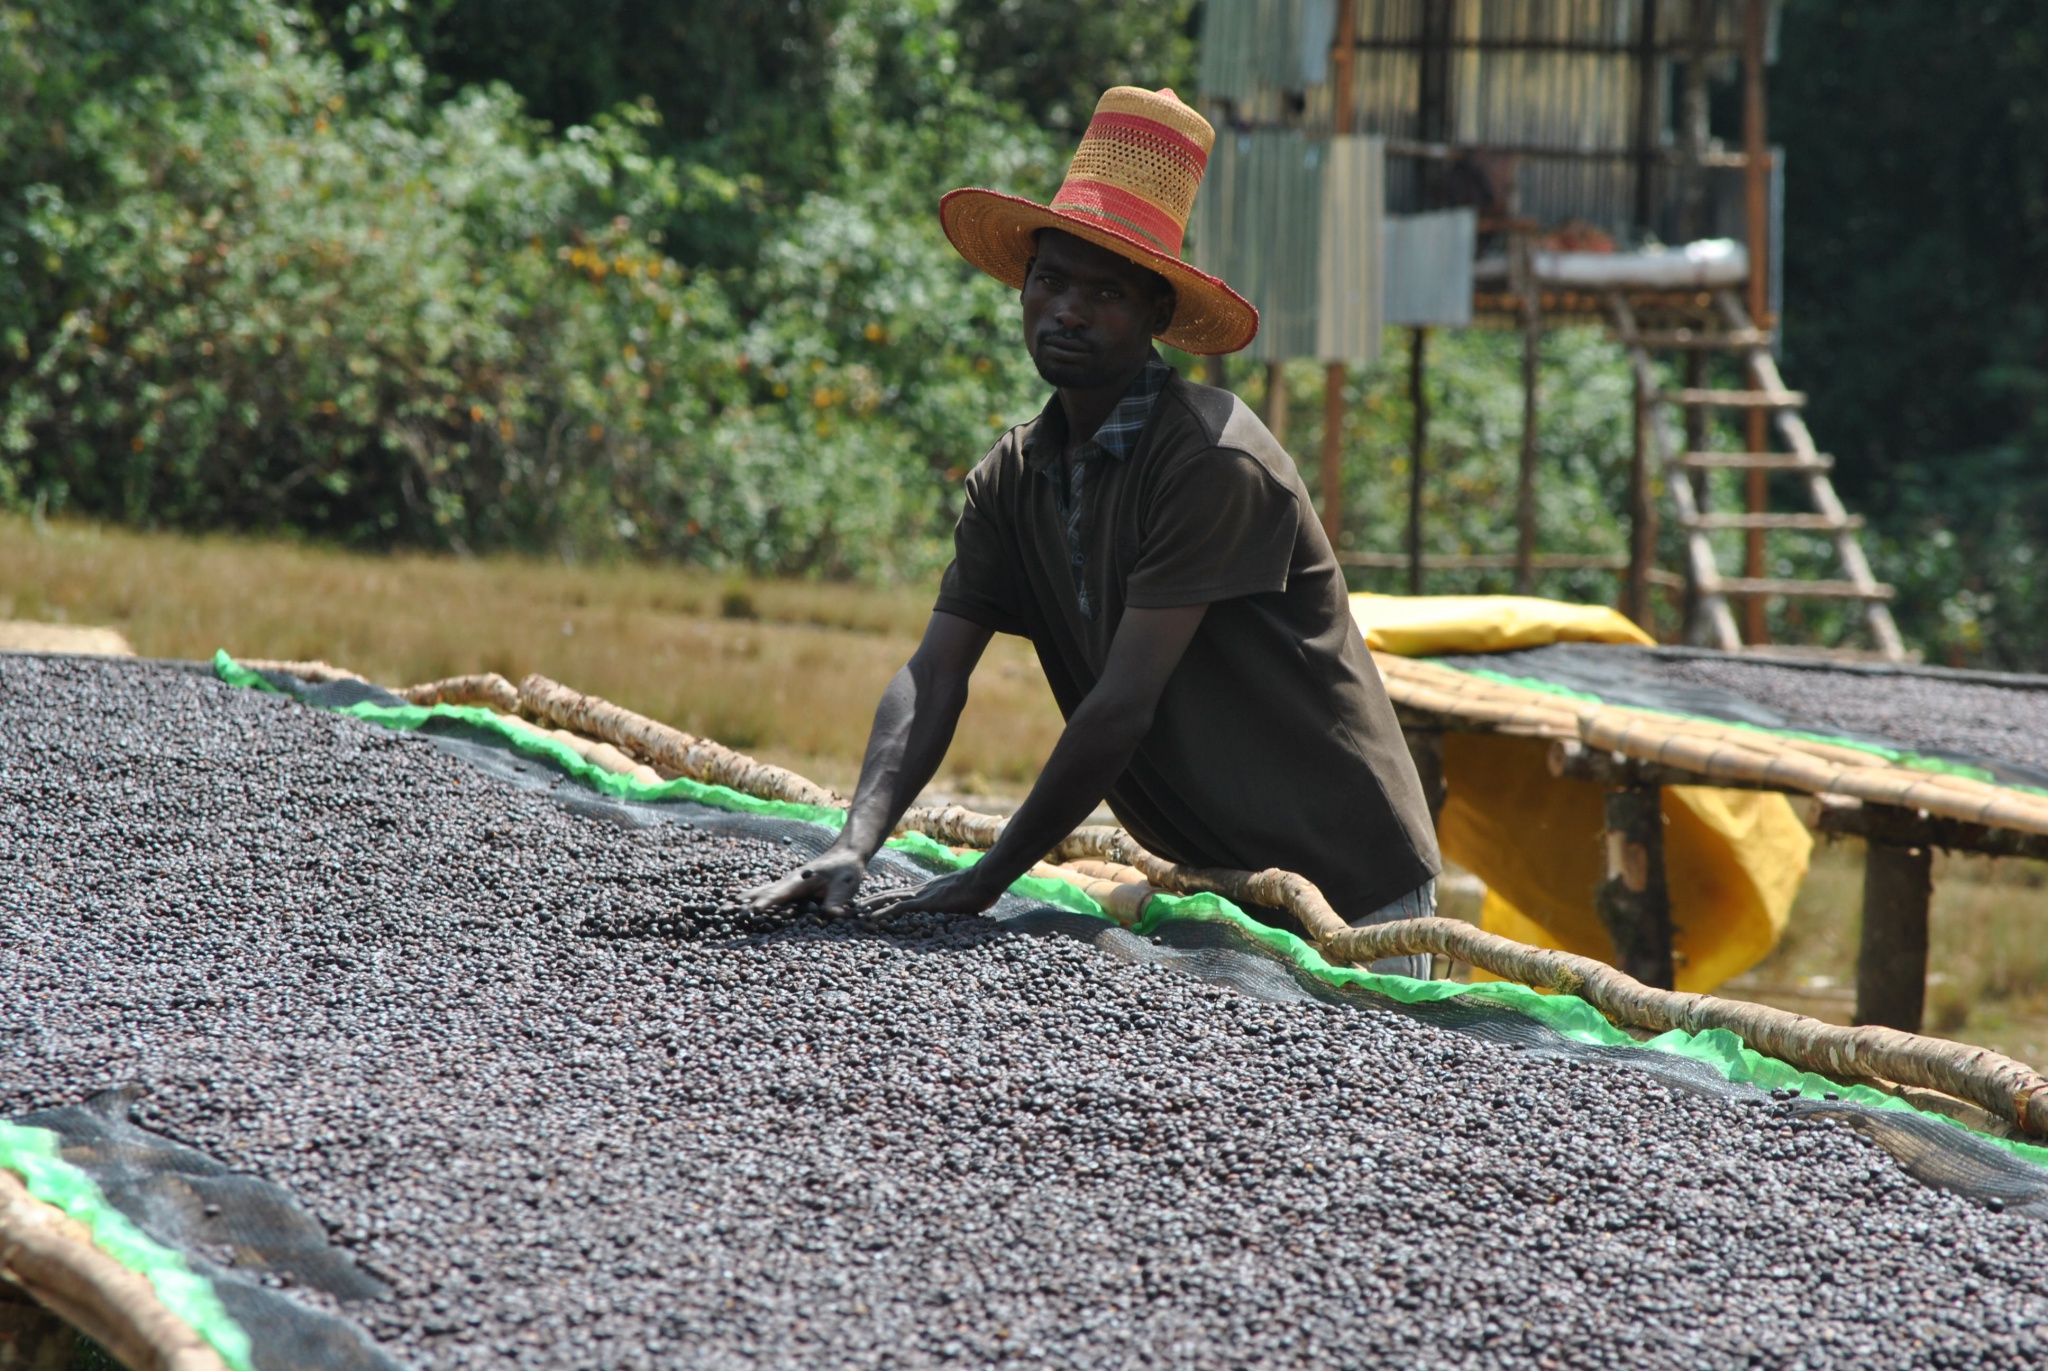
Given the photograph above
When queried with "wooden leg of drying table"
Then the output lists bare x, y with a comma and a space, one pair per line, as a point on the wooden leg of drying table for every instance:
1426, 746
1634, 902
31, 1337
1891, 962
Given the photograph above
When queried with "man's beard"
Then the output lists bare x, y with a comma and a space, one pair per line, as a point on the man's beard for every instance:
1068, 371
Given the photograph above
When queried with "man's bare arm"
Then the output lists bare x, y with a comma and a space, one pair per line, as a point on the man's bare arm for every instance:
1097, 745
913, 727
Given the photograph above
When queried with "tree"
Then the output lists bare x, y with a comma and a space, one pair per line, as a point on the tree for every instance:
1917, 295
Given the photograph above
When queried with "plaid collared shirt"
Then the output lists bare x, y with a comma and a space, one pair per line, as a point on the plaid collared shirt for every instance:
1116, 439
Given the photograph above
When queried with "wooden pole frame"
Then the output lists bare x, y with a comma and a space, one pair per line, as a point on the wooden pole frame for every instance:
1332, 479
1693, 131
1891, 957
1525, 479
1647, 121
1757, 192
1276, 401
1418, 448
1702, 487
1341, 57
1634, 901
1642, 518
1433, 92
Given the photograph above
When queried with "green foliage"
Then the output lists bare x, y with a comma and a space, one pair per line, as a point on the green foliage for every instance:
1473, 460
1054, 57
757, 91
743, 89
900, 362
263, 291
1917, 298
665, 280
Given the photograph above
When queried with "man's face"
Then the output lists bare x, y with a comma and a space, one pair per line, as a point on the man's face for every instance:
1089, 315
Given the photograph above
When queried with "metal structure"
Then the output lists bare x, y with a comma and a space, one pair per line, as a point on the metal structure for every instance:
1576, 91
1293, 222
1575, 120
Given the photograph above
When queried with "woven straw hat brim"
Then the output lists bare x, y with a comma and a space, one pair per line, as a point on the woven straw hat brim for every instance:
994, 232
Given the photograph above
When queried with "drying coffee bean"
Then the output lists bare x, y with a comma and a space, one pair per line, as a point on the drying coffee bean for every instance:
1925, 713
580, 1107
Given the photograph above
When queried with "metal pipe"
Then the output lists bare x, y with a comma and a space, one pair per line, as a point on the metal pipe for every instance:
1646, 117
1694, 131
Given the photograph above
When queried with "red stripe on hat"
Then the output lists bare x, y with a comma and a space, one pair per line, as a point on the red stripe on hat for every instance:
1171, 141
1099, 196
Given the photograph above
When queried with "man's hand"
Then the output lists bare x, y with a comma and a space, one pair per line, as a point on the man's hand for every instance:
913, 726
832, 879
959, 892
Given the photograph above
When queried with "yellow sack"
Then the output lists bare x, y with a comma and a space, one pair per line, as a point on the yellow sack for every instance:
1733, 858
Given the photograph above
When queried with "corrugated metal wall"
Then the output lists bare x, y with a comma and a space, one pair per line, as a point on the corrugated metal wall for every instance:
1351, 260
1252, 47
1429, 268
1258, 225
1256, 52
1293, 224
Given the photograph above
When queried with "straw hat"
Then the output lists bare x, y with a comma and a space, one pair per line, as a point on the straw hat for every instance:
1129, 188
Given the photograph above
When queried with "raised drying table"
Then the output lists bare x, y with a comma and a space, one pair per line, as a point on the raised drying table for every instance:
1908, 758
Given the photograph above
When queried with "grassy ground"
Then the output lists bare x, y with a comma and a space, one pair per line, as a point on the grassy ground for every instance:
790, 671
1988, 956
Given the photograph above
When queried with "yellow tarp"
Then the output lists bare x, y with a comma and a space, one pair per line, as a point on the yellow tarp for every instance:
1734, 858
1431, 625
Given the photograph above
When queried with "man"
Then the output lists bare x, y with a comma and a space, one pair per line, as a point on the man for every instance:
1158, 548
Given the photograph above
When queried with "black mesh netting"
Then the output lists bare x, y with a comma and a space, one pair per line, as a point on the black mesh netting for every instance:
247, 1236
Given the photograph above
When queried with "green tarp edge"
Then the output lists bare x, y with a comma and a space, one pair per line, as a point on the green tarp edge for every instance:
1916, 761
34, 1154
1566, 1015
554, 752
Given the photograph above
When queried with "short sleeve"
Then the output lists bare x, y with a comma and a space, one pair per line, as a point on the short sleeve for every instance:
1220, 527
982, 583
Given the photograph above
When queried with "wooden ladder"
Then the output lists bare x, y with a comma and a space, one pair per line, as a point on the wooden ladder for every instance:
1733, 332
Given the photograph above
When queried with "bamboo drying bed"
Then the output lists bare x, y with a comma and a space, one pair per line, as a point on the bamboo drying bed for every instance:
1702, 752
1688, 750
1121, 876
1902, 812
52, 1257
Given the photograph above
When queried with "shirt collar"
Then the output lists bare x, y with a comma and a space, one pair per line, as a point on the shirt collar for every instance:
1118, 435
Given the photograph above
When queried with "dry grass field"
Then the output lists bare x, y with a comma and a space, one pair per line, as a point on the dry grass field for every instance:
790, 671
1988, 953
787, 670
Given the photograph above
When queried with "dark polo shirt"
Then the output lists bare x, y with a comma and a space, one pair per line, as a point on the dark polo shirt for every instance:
1274, 743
